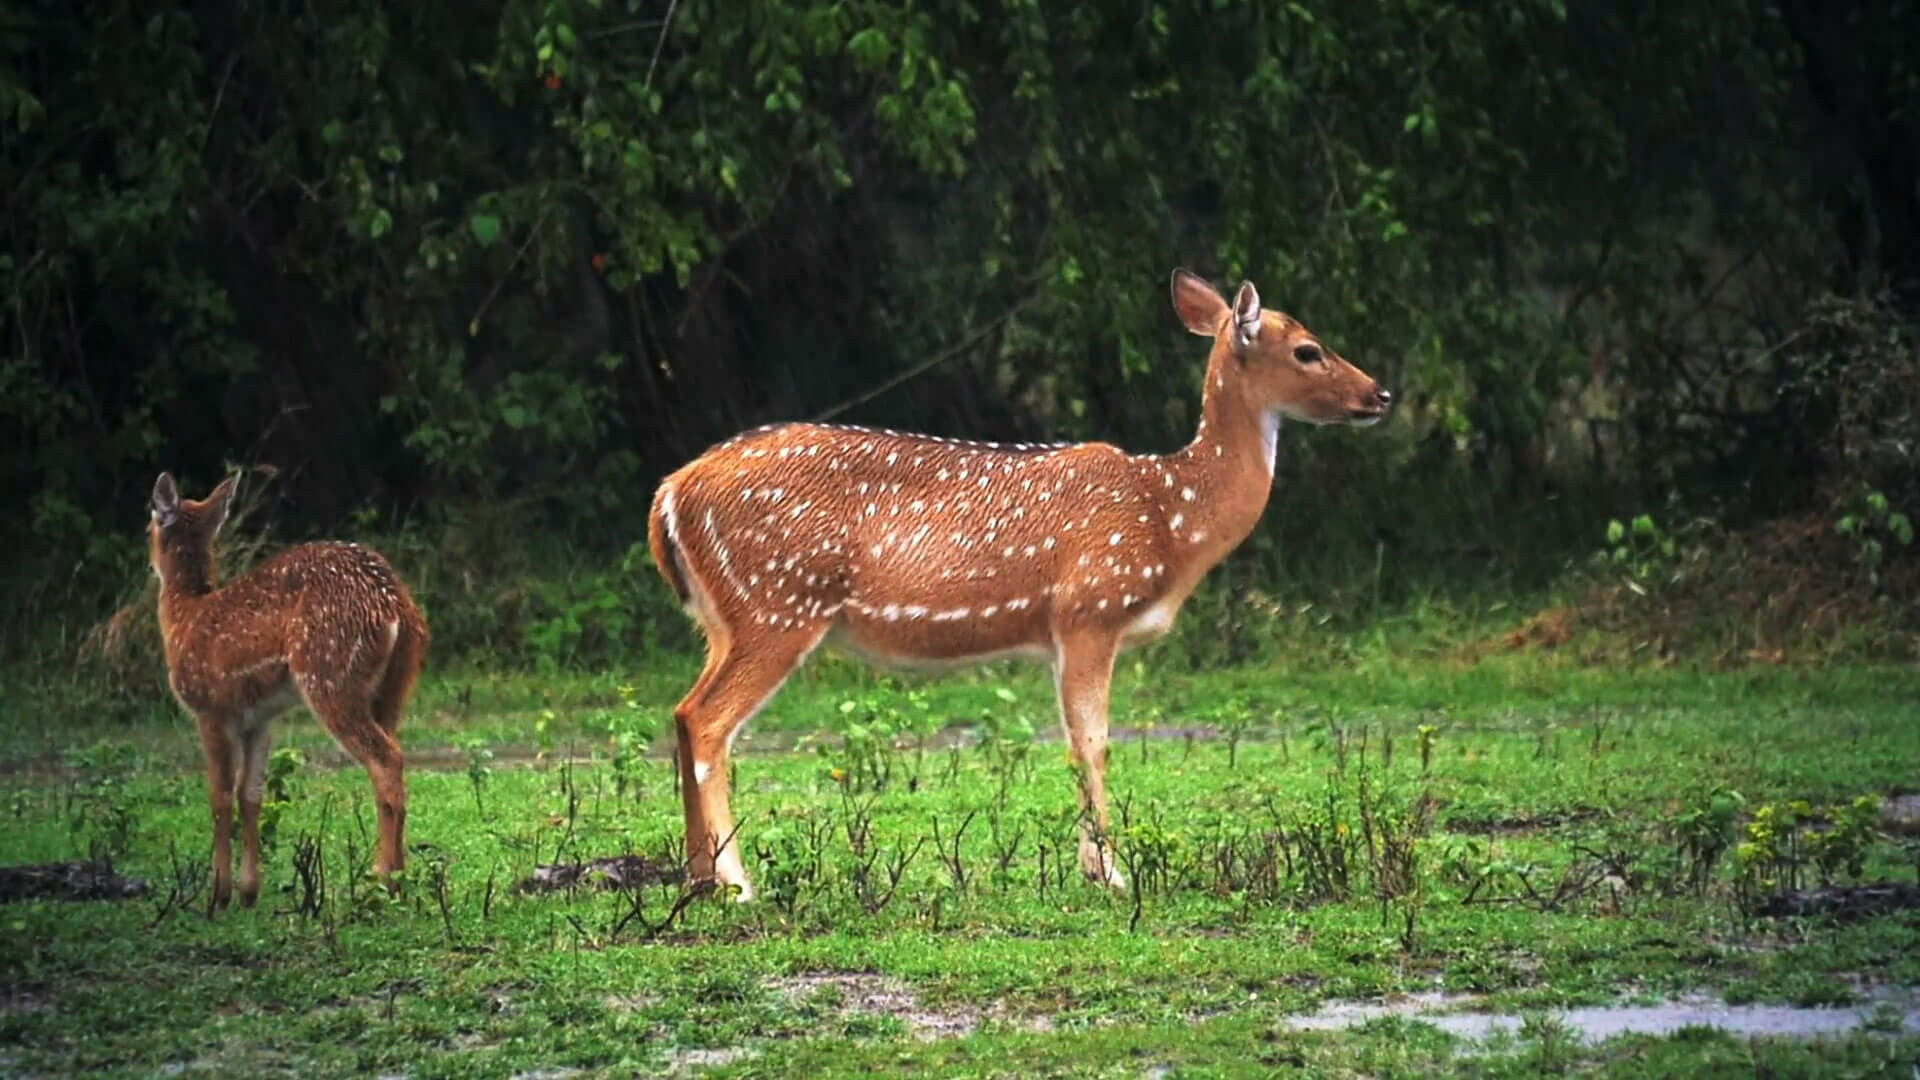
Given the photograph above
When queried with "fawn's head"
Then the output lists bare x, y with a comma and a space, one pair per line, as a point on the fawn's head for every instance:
180, 536
1282, 366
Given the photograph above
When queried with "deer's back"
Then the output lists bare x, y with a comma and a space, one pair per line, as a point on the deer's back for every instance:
335, 608
942, 547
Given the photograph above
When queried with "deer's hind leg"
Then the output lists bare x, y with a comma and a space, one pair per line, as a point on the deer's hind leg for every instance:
344, 704
396, 684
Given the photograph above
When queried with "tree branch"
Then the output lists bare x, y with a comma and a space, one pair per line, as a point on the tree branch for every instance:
930, 362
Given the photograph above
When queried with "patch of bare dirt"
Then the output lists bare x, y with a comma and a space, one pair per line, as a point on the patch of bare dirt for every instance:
1518, 824
871, 994
616, 872
77, 880
24, 1000
1843, 903
1901, 814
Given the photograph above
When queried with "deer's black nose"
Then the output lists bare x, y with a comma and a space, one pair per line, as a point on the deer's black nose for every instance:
1382, 395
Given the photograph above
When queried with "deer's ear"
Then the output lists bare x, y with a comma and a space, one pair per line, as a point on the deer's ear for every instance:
1201, 308
219, 503
1246, 315
165, 503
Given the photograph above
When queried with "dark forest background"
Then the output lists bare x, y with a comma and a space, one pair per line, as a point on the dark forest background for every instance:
468, 278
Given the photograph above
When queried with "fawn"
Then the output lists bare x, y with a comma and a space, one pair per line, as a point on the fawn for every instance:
328, 625
921, 551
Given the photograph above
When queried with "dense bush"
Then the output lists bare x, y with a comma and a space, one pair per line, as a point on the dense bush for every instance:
487, 272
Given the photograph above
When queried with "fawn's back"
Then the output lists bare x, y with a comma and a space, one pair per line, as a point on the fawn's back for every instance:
321, 617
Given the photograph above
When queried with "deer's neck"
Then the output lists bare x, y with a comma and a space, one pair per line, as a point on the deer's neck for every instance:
184, 583
1228, 468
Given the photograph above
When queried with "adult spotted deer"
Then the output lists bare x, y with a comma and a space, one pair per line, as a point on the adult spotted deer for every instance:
328, 625
920, 551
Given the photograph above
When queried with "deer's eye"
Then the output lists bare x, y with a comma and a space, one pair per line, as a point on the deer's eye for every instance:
1307, 353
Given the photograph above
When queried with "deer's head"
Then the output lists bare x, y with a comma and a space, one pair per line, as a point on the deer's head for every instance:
1282, 366
180, 536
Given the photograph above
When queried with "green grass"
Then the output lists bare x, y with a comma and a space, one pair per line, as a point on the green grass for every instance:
1529, 769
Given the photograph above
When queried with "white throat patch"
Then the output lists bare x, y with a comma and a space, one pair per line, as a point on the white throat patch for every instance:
1270, 438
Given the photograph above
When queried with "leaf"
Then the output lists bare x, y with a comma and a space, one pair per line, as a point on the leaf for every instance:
380, 224
1901, 526
332, 132
870, 49
485, 228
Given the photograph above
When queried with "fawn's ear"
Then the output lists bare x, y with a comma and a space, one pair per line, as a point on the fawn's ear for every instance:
1200, 307
166, 501
219, 502
1246, 315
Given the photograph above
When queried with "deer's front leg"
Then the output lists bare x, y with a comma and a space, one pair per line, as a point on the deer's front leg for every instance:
1083, 673
218, 747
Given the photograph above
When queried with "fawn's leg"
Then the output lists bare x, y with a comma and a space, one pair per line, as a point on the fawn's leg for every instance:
745, 678
255, 741
347, 713
218, 747
1083, 674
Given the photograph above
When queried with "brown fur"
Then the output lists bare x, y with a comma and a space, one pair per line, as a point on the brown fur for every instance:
922, 551
327, 625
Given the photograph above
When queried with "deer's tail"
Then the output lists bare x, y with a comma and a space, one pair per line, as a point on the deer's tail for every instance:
663, 540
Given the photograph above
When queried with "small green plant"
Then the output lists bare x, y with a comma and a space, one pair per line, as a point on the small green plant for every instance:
1551, 1039
1234, 720
1007, 741
479, 769
1426, 733
543, 735
1870, 521
1642, 548
873, 725
791, 854
1704, 831
1841, 848
1768, 858
630, 728
286, 775
96, 803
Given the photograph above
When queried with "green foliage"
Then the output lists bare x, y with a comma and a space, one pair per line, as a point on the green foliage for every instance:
523, 258
1870, 522
285, 783
630, 728
1704, 831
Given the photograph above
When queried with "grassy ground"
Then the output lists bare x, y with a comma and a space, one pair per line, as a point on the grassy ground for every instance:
1528, 836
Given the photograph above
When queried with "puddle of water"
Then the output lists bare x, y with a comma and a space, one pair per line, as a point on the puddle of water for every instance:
1602, 1022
